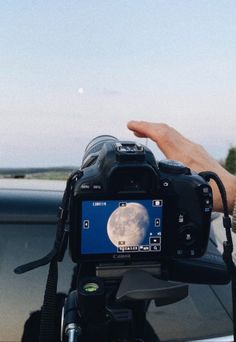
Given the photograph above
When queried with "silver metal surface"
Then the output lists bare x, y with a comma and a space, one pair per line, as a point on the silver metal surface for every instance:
116, 271
217, 339
72, 331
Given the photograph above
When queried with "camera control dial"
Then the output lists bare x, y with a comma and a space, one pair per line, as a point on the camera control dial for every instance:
173, 167
187, 235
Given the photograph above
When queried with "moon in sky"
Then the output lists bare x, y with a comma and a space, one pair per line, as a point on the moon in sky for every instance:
128, 225
81, 91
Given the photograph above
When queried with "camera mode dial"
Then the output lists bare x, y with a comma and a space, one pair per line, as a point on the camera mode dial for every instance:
173, 167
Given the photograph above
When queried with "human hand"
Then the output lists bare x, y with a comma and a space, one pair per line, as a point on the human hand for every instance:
175, 146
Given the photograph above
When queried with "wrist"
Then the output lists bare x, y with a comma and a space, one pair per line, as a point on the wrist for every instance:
234, 218
231, 194
230, 187
229, 182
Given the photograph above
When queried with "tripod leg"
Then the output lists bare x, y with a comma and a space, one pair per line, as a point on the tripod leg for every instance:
143, 330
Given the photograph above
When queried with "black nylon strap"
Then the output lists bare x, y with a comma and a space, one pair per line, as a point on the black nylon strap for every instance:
48, 313
48, 319
60, 244
228, 244
48, 322
37, 263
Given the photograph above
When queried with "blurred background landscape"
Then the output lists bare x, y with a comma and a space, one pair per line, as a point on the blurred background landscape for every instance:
62, 173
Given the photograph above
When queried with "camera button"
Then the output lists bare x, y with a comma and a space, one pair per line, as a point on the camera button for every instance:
187, 235
165, 183
85, 186
206, 190
182, 217
97, 187
208, 201
208, 204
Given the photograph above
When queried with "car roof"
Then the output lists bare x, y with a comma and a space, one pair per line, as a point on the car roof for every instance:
28, 217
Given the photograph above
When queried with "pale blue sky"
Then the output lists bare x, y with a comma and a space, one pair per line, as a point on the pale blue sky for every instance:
169, 61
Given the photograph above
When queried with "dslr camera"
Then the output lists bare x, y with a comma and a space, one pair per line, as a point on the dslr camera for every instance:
128, 207
135, 227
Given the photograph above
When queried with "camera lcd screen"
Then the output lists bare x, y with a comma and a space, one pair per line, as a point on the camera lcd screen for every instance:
121, 226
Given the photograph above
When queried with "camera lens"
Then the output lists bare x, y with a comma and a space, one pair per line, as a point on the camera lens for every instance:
93, 148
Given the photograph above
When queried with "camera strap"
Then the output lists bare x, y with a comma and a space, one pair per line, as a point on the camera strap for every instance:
48, 319
61, 240
228, 244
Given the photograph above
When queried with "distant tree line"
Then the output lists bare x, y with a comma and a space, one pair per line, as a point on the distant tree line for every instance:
230, 161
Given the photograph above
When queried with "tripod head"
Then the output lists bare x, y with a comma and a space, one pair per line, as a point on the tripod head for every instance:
116, 311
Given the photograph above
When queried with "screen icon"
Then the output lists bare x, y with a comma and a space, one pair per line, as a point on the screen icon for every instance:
156, 248
144, 248
121, 243
131, 249
86, 224
157, 203
156, 240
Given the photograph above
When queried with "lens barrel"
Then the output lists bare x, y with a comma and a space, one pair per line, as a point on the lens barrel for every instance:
94, 147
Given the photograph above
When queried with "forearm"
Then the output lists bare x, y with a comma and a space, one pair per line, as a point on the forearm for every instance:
176, 146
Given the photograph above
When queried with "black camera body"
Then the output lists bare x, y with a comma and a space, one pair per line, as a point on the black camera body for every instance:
128, 207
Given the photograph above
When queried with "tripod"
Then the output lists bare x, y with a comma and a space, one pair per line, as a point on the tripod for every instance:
111, 310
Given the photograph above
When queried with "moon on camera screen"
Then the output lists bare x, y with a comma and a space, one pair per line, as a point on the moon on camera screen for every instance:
128, 225
115, 226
